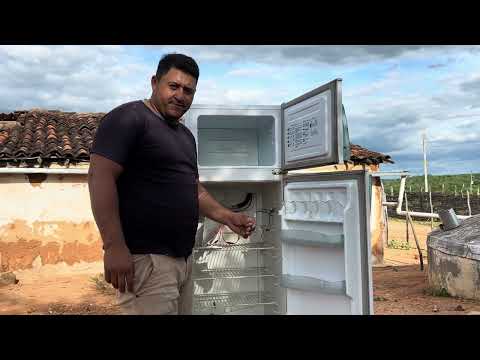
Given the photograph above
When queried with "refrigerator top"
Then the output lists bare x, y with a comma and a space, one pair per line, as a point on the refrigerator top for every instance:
235, 107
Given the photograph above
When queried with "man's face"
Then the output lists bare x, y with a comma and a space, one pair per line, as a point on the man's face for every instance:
173, 93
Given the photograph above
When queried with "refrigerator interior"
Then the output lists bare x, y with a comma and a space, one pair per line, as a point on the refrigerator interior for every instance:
233, 275
236, 140
306, 252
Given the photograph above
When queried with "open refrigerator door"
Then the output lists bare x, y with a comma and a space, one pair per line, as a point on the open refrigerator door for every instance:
314, 129
324, 219
325, 244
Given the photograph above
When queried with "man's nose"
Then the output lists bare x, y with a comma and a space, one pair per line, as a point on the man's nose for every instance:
179, 94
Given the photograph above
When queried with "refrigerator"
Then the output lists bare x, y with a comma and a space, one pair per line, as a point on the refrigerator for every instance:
310, 251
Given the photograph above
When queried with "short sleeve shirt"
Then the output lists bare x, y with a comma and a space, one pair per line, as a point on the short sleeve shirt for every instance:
157, 190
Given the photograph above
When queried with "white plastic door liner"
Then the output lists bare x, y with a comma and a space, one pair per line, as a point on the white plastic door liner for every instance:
325, 247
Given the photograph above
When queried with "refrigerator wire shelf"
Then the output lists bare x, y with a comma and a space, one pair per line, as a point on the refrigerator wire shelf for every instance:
237, 247
231, 301
233, 273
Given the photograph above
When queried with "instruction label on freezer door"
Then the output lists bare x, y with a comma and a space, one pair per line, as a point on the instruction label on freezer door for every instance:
307, 131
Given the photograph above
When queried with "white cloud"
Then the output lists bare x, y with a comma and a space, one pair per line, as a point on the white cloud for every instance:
71, 78
386, 114
211, 92
246, 72
312, 54
391, 120
391, 80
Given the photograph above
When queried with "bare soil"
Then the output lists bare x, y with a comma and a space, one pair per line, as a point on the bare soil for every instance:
400, 287
57, 290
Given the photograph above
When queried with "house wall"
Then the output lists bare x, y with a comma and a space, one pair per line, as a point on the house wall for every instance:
46, 219
377, 222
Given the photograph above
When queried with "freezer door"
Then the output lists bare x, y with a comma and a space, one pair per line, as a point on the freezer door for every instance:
313, 131
326, 244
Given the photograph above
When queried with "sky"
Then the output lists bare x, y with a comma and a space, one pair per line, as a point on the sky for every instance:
392, 94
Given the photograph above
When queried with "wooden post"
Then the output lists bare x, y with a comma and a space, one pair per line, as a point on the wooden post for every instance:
431, 206
471, 182
420, 255
391, 191
406, 220
455, 190
468, 203
443, 188
425, 173
409, 220
385, 214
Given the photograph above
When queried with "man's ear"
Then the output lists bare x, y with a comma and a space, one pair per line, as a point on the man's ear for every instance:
154, 82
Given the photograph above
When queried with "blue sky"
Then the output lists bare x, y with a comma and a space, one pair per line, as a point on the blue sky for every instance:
391, 93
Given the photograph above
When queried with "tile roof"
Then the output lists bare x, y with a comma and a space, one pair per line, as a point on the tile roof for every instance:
360, 155
46, 135
41, 137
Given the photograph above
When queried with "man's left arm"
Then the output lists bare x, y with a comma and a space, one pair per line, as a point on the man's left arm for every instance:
240, 223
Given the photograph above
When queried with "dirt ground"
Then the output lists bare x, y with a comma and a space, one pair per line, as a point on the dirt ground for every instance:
399, 285
56, 290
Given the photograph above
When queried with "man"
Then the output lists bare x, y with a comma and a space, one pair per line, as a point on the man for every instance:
146, 196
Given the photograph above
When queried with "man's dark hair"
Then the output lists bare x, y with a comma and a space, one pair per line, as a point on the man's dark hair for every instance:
180, 62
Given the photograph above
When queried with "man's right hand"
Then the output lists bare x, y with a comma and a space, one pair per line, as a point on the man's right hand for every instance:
119, 267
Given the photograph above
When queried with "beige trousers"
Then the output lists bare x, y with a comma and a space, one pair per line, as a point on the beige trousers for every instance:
162, 286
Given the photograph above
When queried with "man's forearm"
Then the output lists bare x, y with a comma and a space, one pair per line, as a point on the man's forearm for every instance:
210, 207
104, 201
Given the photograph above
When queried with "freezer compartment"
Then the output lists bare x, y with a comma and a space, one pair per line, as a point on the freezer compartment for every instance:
236, 140
233, 275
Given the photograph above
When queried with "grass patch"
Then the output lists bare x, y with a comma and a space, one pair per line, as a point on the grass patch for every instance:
437, 292
436, 222
449, 182
101, 285
401, 245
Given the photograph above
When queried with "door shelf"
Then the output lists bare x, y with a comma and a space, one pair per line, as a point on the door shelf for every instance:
306, 283
311, 238
336, 220
233, 273
218, 303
